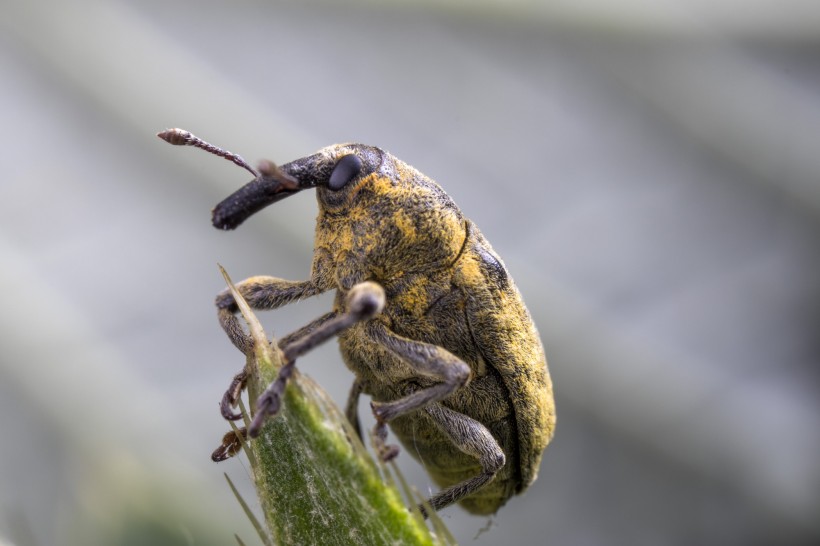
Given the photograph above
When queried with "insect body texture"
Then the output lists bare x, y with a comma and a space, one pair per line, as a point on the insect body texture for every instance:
448, 354
445, 287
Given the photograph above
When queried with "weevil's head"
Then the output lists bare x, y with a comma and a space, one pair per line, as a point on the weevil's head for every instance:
346, 177
333, 171
339, 172
369, 203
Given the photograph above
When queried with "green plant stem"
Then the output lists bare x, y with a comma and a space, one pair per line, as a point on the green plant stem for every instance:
316, 482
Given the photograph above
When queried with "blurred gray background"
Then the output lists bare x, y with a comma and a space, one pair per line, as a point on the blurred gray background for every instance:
649, 171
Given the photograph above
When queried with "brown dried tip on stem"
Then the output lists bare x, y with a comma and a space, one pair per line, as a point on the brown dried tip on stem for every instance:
181, 137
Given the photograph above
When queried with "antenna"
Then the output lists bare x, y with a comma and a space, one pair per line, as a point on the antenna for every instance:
181, 137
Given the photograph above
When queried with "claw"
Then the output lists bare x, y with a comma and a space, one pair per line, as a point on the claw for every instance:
231, 444
225, 408
231, 397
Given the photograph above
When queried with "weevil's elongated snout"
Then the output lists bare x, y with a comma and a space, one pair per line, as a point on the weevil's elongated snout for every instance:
273, 184
248, 200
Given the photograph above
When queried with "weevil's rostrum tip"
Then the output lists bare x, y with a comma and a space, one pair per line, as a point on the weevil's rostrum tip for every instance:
250, 199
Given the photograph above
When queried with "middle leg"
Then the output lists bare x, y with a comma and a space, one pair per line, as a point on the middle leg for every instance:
428, 361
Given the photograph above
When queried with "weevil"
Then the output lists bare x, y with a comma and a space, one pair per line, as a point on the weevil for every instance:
426, 315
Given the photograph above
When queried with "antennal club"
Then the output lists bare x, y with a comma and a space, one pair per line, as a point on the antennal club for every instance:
181, 137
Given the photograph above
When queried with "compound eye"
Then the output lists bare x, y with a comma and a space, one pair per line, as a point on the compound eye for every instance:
346, 169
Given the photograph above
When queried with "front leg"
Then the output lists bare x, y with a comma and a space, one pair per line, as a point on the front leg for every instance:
260, 293
232, 441
231, 397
